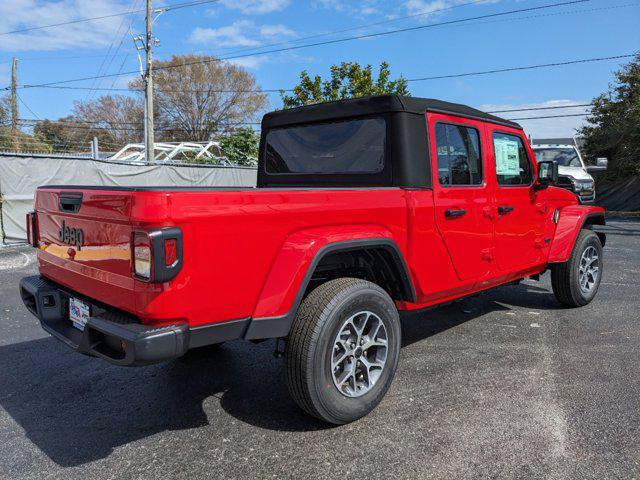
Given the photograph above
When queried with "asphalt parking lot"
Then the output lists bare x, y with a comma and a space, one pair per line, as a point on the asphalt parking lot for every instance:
504, 385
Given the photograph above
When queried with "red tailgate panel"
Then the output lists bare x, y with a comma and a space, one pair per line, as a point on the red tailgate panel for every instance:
101, 267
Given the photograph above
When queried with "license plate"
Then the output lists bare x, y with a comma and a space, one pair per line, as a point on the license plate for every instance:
79, 313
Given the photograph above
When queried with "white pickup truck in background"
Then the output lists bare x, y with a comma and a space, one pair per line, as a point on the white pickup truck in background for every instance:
573, 173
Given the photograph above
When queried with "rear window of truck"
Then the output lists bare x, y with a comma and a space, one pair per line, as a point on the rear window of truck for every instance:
347, 146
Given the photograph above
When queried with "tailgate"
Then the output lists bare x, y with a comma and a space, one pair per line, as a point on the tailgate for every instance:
85, 242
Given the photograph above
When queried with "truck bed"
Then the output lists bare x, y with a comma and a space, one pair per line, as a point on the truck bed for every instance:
232, 237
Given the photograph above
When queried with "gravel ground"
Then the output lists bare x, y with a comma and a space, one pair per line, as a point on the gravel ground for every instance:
504, 385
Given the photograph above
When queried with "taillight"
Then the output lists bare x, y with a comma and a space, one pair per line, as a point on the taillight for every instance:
32, 229
157, 254
170, 251
142, 255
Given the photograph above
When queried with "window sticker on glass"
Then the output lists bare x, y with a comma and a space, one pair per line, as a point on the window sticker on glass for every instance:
507, 157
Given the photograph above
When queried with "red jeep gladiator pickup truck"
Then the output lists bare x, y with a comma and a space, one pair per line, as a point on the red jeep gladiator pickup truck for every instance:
364, 209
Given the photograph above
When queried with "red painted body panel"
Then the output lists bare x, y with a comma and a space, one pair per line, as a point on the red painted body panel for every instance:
246, 251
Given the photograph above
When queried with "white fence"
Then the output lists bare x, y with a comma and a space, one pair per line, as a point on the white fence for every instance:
20, 175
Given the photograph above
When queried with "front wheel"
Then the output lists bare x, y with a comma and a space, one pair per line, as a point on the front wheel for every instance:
343, 350
576, 281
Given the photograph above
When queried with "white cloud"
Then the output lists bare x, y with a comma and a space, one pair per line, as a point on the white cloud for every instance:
257, 7
20, 14
234, 35
243, 33
276, 31
544, 127
359, 8
430, 7
252, 62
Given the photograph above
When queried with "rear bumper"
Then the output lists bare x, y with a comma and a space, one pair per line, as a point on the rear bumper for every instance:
121, 339
108, 334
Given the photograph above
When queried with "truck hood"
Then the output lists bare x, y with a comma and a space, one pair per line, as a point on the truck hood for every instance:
575, 172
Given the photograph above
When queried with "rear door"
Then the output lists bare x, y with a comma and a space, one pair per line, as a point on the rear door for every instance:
461, 196
519, 208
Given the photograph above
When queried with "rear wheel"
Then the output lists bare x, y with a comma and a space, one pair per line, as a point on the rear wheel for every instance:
343, 350
575, 282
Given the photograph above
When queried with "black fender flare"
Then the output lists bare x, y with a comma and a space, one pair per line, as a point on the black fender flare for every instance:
595, 218
276, 327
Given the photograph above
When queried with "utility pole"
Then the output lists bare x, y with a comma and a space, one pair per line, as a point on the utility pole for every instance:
94, 149
148, 89
14, 103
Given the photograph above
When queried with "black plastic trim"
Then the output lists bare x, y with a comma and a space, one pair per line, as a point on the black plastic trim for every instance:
601, 220
161, 271
70, 202
218, 332
587, 220
275, 327
596, 218
32, 233
108, 329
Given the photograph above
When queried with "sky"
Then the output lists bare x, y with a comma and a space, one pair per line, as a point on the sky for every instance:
581, 30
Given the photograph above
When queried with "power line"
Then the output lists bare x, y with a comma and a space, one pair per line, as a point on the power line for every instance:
27, 106
541, 108
515, 69
326, 42
102, 17
551, 116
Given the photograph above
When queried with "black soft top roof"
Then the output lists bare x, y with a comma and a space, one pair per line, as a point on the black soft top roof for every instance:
374, 105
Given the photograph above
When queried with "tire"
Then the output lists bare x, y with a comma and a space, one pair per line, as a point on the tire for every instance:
330, 314
566, 277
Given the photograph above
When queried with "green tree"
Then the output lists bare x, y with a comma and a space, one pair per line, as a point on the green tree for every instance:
613, 129
348, 80
241, 146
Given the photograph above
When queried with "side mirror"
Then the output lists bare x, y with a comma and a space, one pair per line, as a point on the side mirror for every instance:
600, 166
547, 173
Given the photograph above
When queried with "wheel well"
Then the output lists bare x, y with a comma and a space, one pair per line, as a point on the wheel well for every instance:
377, 264
592, 220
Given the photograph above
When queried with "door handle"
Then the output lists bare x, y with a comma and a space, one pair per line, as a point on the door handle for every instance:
455, 213
504, 209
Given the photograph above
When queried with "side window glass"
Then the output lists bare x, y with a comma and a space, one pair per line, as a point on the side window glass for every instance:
512, 164
459, 161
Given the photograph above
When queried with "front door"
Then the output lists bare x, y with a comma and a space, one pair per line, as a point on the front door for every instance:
519, 210
461, 195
